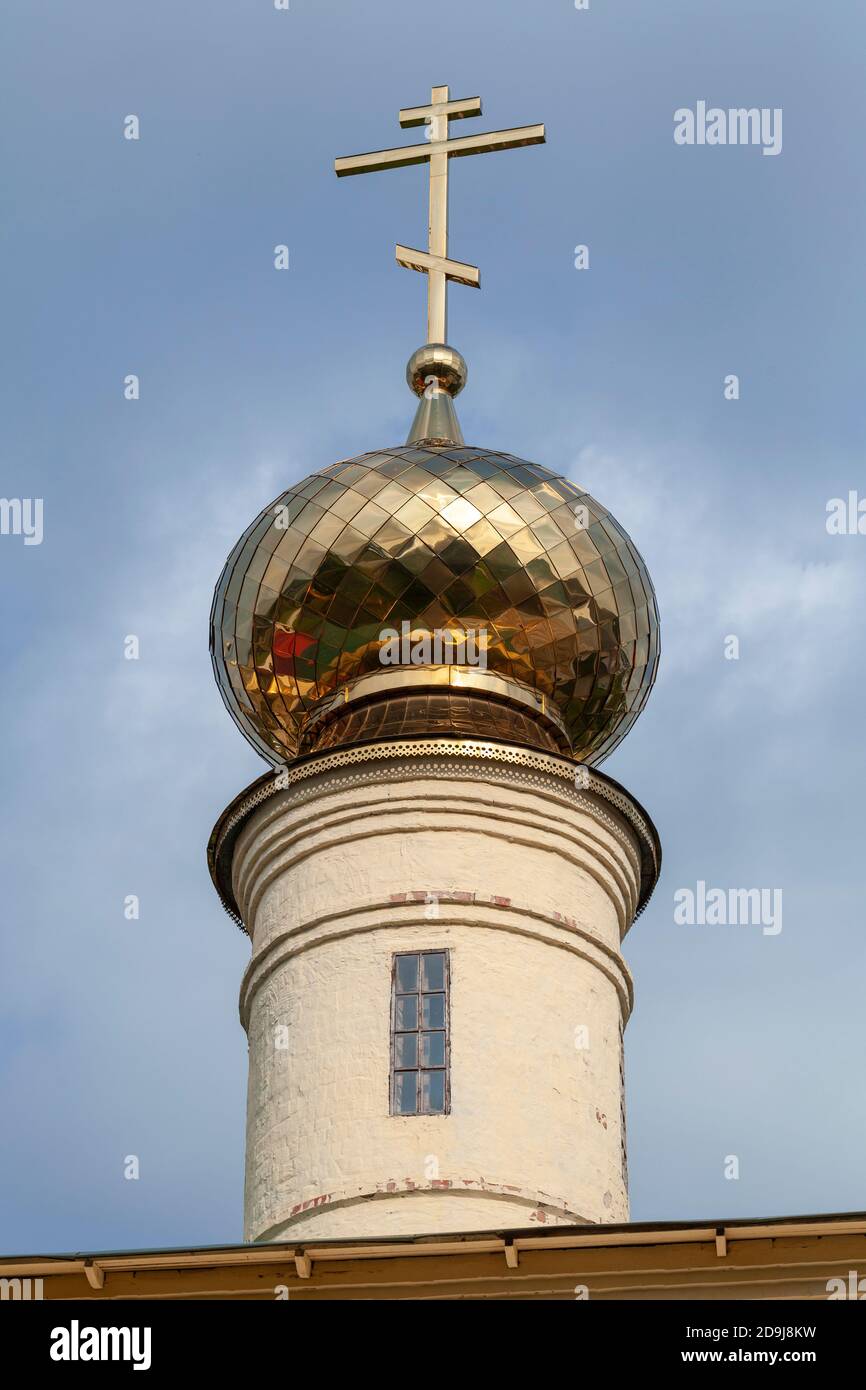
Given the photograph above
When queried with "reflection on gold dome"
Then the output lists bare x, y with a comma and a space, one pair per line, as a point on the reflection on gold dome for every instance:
444, 538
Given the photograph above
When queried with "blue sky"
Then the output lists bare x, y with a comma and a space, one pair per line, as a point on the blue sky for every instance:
155, 257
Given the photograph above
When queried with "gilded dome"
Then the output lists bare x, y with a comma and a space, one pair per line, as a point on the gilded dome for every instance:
551, 599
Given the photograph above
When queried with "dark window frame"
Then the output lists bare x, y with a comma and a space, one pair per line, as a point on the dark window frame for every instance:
394, 1071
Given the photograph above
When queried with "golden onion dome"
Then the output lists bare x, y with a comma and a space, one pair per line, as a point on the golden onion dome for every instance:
434, 588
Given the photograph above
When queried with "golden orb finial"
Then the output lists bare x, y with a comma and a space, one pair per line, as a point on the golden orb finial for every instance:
437, 373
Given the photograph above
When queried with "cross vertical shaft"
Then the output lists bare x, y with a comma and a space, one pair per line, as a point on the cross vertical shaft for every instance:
437, 297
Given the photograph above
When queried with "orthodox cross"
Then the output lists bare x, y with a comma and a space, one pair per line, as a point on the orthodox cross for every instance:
437, 150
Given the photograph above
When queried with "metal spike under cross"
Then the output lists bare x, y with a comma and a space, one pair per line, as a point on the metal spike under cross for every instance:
438, 150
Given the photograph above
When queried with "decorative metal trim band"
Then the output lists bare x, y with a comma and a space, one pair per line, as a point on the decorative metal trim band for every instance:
537, 764
454, 678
